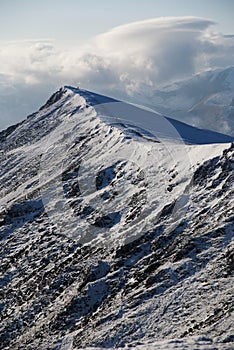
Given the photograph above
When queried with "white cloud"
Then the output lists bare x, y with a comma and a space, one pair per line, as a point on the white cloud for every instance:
149, 53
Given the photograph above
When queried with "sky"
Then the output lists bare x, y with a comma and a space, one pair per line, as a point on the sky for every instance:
82, 19
106, 46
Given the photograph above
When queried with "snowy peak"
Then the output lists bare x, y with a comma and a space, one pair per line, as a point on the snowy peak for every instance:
133, 119
116, 227
115, 111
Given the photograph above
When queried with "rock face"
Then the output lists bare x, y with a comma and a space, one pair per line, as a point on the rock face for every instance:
112, 235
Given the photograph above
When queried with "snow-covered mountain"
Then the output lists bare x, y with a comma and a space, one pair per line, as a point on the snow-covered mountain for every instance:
116, 229
205, 100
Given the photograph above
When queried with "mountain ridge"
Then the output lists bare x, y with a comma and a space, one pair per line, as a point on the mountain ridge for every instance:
96, 99
113, 233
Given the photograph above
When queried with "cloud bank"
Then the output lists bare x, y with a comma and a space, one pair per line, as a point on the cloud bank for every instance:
141, 55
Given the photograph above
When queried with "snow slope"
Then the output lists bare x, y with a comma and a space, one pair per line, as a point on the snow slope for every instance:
116, 229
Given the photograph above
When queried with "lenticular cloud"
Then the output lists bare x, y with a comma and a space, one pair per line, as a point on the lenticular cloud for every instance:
146, 54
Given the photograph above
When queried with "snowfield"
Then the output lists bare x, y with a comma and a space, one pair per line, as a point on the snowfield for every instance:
116, 229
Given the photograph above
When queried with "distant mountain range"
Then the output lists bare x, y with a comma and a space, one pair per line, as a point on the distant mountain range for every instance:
205, 100
116, 226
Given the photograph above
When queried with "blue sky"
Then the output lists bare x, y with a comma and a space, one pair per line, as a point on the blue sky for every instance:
81, 19
107, 46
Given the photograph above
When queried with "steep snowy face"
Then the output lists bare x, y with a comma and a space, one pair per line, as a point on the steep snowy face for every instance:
116, 226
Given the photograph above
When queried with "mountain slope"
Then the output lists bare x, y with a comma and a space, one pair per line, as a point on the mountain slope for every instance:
116, 228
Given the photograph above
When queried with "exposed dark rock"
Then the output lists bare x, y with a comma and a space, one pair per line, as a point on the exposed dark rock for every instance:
54, 98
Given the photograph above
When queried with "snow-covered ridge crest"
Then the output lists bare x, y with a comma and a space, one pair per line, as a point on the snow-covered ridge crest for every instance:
160, 125
150, 138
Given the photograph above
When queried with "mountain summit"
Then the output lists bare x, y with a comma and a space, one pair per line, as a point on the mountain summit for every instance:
116, 229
